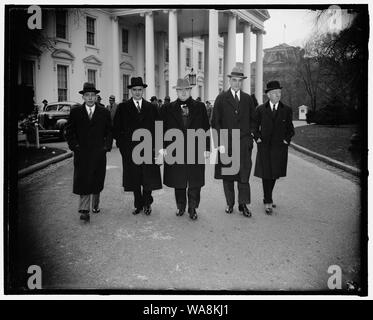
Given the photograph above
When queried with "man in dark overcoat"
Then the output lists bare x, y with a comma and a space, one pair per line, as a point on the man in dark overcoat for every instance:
137, 113
89, 136
234, 109
187, 178
273, 134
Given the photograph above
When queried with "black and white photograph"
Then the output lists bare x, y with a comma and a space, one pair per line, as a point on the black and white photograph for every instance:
186, 149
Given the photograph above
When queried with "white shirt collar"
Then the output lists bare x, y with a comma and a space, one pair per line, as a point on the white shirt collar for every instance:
276, 105
90, 108
234, 93
140, 102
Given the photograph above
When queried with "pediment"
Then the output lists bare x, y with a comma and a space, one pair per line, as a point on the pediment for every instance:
63, 54
92, 60
127, 66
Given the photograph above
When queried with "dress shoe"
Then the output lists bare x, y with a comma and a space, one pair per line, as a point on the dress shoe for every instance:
147, 210
229, 209
96, 210
268, 209
84, 215
180, 212
192, 214
136, 211
245, 210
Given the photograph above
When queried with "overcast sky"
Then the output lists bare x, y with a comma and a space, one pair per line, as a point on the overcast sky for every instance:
299, 25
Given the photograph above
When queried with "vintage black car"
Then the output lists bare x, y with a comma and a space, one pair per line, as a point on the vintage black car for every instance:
53, 118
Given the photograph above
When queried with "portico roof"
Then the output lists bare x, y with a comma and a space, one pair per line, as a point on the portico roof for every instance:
200, 17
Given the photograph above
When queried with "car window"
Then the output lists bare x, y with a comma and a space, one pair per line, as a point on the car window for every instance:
64, 108
51, 108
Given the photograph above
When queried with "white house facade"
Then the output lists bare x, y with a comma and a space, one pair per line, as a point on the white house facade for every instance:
109, 46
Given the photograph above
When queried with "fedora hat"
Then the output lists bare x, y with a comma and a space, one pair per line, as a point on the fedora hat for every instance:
273, 85
182, 84
236, 72
136, 82
88, 87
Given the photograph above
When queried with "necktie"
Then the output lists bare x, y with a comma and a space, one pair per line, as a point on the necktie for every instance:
138, 106
236, 98
90, 114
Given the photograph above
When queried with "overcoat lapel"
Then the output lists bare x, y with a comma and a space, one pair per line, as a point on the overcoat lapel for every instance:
176, 112
192, 113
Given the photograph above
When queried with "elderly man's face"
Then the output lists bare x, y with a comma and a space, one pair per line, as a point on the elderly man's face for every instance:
235, 83
137, 92
111, 100
89, 98
274, 95
183, 94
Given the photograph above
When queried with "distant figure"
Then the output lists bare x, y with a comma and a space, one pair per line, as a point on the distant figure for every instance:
167, 100
154, 100
45, 104
209, 110
99, 101
112, 107
273, 132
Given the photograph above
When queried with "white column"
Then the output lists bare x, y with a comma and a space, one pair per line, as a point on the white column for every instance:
149, 55
140, 51
213, 66
205, 66
231, 47
115, 61
225, 61
181, 59
161, 61
246, 58
172, 53
259, 67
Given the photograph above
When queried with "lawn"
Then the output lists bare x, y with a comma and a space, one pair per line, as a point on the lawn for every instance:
30, 156
331, 141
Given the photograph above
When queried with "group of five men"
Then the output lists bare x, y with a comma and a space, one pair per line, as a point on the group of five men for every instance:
91, 129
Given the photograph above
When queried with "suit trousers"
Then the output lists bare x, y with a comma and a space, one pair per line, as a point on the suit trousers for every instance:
244, 196
268, 185
194, 197
142, 198
85, 202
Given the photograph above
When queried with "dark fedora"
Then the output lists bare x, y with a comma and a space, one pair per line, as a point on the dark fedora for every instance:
88, 87
236, 72
273, 85
136, 82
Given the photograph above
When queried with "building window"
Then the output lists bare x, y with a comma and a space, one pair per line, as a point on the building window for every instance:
187, 57
200, 91
220, 65
27, 73
61, 25
62, 82
167, 88
92, 76
200, 67
125, 40
166, 58
126, 78
90, 31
